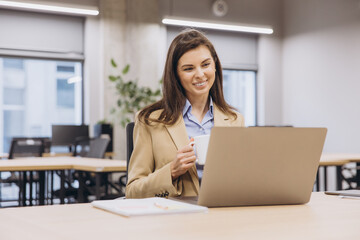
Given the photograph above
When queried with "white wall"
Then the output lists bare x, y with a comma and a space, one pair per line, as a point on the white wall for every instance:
321, 73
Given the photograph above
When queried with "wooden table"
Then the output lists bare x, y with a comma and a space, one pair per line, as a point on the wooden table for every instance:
70, 154
338, 160
42, 164
97, 166
324, 217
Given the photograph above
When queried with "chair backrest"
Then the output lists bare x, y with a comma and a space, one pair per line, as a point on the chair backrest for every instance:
46, 141
91, 147
26, 147
98, 147
129, 144
81, 146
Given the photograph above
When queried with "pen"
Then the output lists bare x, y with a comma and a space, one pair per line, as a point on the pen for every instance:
350, 197
161, 206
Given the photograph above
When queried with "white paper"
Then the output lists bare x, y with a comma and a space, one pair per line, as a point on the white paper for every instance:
147, 206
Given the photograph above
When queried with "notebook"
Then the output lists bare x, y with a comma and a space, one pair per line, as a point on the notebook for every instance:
146, 206
260, 166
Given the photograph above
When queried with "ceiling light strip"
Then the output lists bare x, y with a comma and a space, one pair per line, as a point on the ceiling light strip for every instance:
217, 26
49, 8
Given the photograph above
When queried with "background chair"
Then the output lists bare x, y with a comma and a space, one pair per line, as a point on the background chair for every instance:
24, 147
351, 175
129, 150
81, 146
97, 148
89, 148
129, 144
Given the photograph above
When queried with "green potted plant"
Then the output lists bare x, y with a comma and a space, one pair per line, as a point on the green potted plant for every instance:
131, 96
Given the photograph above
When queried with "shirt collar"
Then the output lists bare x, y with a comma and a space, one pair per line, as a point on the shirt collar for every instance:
188, 107
211, 107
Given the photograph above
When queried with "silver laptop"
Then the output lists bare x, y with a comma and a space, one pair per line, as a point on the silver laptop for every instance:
260, 166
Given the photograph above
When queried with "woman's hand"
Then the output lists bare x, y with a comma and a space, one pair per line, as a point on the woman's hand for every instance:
184, 160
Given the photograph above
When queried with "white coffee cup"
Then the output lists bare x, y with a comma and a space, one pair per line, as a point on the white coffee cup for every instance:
201, 144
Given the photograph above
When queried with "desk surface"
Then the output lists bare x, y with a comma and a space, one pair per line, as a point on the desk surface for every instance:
324, 217
69, 154
327, 159
338, 159
65, 154
351, 157
63, 163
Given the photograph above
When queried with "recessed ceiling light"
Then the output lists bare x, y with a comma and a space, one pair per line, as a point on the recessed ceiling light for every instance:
216, 25
48, 8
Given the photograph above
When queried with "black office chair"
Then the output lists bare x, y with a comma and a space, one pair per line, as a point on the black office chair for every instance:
24, 147
129, 150
90, 148
129, 144
351, 175
97, 147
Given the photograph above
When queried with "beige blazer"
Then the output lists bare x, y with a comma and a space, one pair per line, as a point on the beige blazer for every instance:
155, 146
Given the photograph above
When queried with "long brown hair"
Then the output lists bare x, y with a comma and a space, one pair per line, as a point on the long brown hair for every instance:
174, 97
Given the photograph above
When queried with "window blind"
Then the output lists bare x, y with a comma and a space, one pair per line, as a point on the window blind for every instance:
41, 35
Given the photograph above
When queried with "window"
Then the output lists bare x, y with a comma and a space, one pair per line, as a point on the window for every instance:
240, 92
35, 94
65, 94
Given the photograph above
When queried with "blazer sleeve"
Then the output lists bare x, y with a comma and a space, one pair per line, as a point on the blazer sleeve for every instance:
143, 179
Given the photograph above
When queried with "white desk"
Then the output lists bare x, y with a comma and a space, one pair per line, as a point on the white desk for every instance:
324, 217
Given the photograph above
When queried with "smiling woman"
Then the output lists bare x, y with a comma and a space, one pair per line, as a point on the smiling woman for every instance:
196, 70
163, 162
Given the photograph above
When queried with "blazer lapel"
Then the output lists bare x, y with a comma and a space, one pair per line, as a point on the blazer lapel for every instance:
178, 133
220, 119
180, 138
